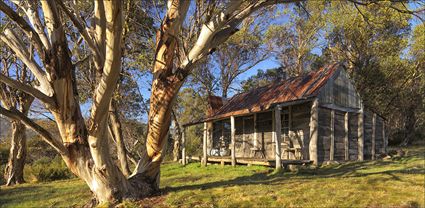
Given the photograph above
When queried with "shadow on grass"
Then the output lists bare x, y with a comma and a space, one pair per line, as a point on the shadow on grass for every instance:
349, 169
16, 193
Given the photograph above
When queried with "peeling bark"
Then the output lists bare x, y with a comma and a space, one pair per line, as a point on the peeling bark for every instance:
85, 147
14, 171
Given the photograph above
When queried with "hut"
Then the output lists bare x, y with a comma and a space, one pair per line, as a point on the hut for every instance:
316, 117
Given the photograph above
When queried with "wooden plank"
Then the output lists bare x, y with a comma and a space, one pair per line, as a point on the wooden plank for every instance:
313, 131
204, 145
346, 137
290, 118
255, 131
251, 161
278, 137
383, 137
332, 127
373, 136
233, 132
360, 132
339, 108
243, 134
184, 146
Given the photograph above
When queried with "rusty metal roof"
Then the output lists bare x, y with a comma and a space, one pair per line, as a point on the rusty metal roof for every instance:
261, 99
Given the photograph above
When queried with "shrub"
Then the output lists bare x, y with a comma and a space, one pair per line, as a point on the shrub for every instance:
46, 169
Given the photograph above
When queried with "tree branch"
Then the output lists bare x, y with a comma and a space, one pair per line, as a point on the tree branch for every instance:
112, 66
49, 101
28, 30
31, 10
14, 43
45, 135
83, 31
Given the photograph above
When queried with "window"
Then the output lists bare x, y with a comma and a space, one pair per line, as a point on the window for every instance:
285, 124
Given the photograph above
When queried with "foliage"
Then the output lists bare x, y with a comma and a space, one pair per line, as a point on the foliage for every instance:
219, 73
292, 42
263, 78
393, 183
191, 107
372, 40
46, 169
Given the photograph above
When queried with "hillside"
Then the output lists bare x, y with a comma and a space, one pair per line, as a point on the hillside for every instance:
395, 183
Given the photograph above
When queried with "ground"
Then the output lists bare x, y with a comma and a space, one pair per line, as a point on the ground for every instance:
398, 182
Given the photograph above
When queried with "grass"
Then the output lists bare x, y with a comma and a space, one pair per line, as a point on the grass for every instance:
394, 183
63, 193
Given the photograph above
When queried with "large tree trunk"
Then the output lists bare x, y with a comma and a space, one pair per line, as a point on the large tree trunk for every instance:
165, 87
163, 95
14, 171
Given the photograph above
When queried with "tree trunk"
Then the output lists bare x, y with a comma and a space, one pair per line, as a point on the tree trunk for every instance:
177, 139
116, 130
162, 97
14, 171
409, 125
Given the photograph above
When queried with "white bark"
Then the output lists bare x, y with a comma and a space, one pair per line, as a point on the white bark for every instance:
49, 101
19, 48
31, 10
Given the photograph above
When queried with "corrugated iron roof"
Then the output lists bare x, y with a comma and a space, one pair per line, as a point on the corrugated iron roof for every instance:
260, 99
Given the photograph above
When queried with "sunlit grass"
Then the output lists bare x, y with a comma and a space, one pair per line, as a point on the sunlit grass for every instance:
64, 193
398, 182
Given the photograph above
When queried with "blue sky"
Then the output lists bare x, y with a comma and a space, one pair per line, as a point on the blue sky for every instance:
267, 64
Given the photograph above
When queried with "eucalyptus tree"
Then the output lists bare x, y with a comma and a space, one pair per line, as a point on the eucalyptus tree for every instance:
17, 101
412, 98
292, 42
84, 148
372, 40
263, 78
84, 145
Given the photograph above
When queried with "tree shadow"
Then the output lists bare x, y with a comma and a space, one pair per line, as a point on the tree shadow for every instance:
345, 170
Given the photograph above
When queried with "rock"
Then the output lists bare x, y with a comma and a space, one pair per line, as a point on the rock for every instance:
331, 162
388, 157
400, 152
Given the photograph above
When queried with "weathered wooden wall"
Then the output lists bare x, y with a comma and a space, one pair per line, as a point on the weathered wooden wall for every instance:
339, 134
353, 136
367, 135
380, 148
220, 135
340, 91
379, 139
265, 133
324, 135
244, 135
324, 141
300, 125
337, 96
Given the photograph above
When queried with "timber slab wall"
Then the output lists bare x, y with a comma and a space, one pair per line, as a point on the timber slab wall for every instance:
249, 161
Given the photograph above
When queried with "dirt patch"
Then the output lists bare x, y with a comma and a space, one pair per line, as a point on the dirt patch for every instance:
155, 201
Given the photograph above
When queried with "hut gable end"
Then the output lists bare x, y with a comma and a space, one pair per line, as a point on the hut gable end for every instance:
339, 91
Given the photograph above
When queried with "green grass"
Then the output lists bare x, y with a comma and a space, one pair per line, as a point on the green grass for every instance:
63, 193
394, 183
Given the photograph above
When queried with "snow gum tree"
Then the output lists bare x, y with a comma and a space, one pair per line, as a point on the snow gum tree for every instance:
17, 101
47, 53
